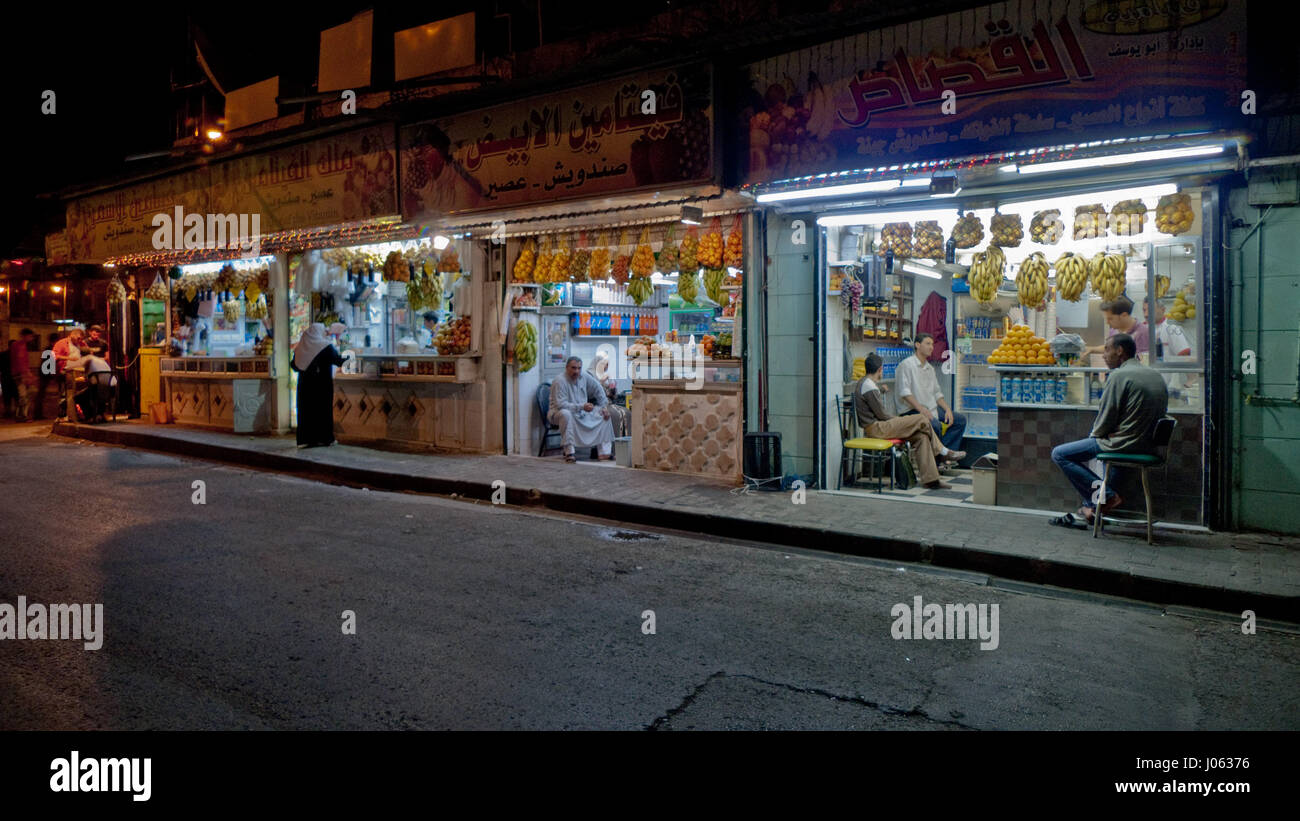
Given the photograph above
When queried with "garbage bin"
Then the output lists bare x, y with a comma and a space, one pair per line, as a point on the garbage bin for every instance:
985, 471
623, 451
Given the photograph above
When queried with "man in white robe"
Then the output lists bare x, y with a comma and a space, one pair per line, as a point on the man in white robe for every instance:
578, 407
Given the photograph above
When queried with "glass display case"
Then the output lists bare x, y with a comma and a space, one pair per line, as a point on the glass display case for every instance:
221, 309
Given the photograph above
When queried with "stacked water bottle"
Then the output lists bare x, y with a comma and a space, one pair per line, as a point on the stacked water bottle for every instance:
891, 356
978, 327
1034, 389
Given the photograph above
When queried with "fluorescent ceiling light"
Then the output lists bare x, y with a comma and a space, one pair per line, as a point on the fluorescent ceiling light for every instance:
944, 216
915, 182
1067, 204
921, 270
1120, 159
831, 191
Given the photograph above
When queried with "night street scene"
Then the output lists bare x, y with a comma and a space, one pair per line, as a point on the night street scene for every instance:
713, 365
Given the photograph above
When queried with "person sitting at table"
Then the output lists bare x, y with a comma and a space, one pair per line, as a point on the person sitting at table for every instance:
1134, 399
95, 335
69, 347
94, 395
580, 408
879, 423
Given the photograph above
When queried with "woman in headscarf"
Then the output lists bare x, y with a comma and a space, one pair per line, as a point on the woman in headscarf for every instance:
618, 415
314, 359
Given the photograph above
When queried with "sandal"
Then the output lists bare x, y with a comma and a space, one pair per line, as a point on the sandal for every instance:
1068, 520
570, 457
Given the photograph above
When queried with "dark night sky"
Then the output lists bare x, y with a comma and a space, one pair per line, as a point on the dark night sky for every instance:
110, 68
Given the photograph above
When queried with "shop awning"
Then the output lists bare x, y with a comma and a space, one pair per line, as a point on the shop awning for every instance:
1103, 163
605, 212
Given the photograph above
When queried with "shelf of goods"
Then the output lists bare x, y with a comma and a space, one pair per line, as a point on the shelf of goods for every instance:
414, 368
213, 367
976, 387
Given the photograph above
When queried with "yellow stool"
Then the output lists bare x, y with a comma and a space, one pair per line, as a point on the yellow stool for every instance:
853, 447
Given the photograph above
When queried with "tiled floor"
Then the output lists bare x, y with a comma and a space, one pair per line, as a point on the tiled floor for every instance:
959, 478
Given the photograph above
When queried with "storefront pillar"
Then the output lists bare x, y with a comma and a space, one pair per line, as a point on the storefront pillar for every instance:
281, 351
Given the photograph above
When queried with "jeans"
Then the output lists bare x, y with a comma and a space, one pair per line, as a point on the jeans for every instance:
1072, 459
952, 439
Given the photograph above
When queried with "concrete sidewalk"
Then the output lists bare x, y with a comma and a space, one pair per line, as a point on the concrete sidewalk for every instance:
1229, 572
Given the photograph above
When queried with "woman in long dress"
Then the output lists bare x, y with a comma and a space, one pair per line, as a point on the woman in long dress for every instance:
314, 359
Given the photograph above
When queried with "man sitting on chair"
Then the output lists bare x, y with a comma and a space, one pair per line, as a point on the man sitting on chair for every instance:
89, 398
578, 407
878, 423
1135, 398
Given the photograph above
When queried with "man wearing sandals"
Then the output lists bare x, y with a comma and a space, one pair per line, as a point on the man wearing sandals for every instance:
1134, 398
578, 407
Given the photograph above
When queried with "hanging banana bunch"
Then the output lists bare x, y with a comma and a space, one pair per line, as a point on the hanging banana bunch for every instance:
986, 273
1031, 280
1071, 276
1107, 272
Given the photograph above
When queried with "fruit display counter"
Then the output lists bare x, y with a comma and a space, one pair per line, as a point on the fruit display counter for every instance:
432, 401
228, 393
689, 426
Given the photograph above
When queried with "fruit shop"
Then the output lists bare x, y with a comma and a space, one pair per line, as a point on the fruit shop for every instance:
602, 234
1020, 255
211, 292
659, 304
408, 316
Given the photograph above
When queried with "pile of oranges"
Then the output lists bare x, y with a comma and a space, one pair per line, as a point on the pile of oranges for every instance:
1021, 347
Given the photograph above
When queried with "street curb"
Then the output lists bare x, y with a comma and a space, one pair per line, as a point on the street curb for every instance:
922, 551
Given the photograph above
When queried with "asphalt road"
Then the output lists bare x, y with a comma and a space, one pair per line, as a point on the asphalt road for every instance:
229, 615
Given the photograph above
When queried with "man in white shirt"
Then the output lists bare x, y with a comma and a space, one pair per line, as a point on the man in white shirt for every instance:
918, 387
1171, 342
1171, 346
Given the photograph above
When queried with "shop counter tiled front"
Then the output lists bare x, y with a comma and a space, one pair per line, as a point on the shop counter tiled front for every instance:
683, 428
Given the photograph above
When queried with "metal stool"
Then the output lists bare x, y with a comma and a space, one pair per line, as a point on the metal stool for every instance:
1160, 436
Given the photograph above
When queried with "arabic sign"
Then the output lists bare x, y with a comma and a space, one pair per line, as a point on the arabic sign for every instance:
343, 178
120, 222
57, 249
992, 79
652, 129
